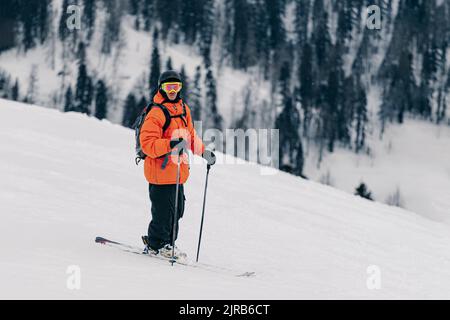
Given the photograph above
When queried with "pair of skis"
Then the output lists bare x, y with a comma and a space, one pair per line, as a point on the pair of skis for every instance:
140, 251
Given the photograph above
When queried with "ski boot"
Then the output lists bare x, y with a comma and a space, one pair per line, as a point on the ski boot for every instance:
166, 252
147, 248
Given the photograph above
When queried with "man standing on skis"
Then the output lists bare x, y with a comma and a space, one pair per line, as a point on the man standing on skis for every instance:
163, 137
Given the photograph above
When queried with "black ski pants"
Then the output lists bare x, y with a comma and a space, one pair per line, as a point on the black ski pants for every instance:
163, 209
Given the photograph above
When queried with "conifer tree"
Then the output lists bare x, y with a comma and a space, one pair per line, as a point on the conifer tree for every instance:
214, 119
290, 145
206, 18
68, 100
195, 96
400, 91
10, 17
275, 11
185, 79
240, 37
302, 9
84, 91
363, 191
101, 100
15, 91
131, 111
155, 63
34, 19
189, 20
361, 117
288, 124
262, 35
306, 91
63, 31
89, 16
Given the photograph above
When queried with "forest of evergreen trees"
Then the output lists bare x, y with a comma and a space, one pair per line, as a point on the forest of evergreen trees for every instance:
320, 75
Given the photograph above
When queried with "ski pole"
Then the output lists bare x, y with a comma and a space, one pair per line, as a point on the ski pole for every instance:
203, 211
175, 214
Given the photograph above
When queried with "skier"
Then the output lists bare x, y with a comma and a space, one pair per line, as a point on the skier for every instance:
163, 143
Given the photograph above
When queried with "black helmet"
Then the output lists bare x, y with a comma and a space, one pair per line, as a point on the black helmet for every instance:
170, 75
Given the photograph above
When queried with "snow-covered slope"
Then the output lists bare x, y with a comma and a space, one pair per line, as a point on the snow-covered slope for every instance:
413, 158
422, 175
66, 178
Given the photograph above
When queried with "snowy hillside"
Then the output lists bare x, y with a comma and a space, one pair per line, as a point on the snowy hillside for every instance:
259, 61
67, 178
413, 159
125, 70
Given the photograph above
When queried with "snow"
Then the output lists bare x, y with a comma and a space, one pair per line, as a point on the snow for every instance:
414, 157
67, 178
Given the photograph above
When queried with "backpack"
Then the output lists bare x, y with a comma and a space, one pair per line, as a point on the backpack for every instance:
140, 155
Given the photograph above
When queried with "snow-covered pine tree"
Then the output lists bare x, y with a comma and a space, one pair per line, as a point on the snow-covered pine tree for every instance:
424, 105
134, 9
213, 120
131, 111
400, 92
206, 31
443, 101
155, 64
195, 96
275, 11
240, 38
185, 79
329, 110
262, 36
34, 22
148, 14
4, 85
361, 118
63, 31
306, 90
89, 16
68, 100
101, 100
302, 9
168, 16
362, 191
15, 91
9, 17
290, 145
189, 20
84, 90
111, 32
288, 124
345, 110
321, 42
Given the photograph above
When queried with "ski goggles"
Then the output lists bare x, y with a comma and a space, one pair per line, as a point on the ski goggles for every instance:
170, 87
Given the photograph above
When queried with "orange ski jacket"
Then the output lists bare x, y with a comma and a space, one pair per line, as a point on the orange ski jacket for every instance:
156, 144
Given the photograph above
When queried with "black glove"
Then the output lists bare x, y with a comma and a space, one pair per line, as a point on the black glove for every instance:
179, 143
210, 157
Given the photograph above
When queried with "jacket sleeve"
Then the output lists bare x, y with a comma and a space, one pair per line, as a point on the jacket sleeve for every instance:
152, 143
196, 143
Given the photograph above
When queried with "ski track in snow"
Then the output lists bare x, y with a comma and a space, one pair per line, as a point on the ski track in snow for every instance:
67, 178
